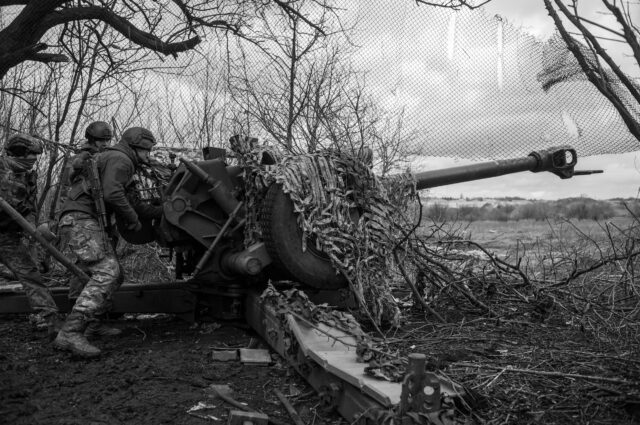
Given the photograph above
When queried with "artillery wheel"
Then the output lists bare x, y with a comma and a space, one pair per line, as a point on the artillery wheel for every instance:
283, 239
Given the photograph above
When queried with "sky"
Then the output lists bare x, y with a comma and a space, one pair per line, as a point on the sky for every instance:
423, 61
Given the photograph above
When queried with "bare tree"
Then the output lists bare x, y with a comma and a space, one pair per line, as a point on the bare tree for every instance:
594, 60
193, 116
324, 104
167, 27
275, 89
393, 145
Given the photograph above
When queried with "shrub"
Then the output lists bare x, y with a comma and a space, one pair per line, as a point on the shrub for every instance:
531, 211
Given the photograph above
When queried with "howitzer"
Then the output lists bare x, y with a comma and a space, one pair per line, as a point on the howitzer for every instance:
33, 232
201, 202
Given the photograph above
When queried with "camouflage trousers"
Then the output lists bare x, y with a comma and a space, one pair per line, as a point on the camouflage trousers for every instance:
16, 255
81, 241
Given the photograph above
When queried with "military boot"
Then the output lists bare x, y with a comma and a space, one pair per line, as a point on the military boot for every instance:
71, 337
97, 328
54, 324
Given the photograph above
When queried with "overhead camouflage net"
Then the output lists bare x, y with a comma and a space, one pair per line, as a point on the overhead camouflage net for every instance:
473, 85
447, 83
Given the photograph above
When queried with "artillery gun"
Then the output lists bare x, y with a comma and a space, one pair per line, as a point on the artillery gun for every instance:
204, 217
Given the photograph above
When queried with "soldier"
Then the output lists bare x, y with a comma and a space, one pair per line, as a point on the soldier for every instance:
82, 235
98, 136
18, 186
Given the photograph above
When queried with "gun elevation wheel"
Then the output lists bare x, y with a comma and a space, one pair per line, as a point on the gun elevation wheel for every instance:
283, 239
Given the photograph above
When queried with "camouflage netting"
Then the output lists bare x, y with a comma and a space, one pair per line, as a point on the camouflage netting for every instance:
466, 84
328, 190
473, 85
383, 363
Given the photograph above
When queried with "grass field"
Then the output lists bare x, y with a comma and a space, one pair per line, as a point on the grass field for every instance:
504, 237
544, 325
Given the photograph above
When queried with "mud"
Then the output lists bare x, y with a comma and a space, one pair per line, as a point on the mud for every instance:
152, 374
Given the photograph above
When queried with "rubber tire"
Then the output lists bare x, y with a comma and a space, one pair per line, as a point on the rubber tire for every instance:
283, 239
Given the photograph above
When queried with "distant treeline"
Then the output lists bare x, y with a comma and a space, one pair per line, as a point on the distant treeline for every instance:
502, 210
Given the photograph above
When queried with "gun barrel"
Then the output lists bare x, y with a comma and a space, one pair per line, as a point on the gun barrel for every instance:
222, 195
197, 171
559, 161
465, 173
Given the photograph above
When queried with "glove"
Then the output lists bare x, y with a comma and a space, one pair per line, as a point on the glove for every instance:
135, 227
45, 231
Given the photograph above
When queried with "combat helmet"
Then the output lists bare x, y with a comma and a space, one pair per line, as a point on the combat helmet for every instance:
138, 137
21, 144
98, 130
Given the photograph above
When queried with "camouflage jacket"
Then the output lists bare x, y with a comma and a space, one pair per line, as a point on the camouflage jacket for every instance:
116, 166
19, 189
71, 172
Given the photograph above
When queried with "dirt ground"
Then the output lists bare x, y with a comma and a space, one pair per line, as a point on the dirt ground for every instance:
524, 371
153, 374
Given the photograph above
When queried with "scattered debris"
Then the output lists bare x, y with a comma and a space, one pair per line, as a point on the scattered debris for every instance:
208, 328
290, 409
223, 392
294, 391
224, 356
255, 356
239, 417
149, 316
195, 411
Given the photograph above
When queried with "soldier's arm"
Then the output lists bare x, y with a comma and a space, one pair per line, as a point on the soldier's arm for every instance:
148, 210
116, 176
144, 208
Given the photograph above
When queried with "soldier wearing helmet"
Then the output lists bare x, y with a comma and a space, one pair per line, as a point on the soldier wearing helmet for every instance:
81, 236
18, 186
98, 136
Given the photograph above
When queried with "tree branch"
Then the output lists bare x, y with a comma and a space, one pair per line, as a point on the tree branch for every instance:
575, 20
452, 4
629, 34
123, 26
291, 11
594, 77
219, 23
4, 3
49, 57
32, 53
